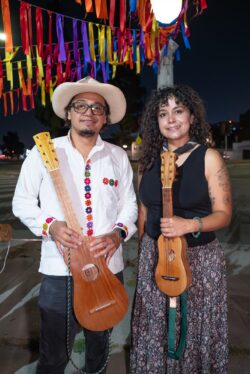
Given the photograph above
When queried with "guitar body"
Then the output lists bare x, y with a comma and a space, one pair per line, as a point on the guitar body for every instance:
172, 272
100, 299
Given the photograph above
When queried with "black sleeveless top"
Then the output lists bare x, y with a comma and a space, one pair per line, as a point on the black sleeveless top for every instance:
190, 195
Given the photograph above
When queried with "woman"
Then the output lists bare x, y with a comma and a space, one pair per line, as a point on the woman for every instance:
174, 120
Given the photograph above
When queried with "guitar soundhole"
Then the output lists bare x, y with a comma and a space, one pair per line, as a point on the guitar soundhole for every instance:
90, 272
171, 255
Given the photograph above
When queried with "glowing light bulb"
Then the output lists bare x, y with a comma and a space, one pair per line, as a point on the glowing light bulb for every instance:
2, 36
166, 11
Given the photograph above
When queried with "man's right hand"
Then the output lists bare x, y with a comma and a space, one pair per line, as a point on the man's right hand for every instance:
63, 236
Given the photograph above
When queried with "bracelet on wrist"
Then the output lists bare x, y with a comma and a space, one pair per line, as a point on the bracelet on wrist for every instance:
200, 226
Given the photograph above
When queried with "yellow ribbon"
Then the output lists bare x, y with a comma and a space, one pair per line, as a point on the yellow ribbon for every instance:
43, 95
109, 44
138, 60
8, 64
91, 41
40, 67
114, 65
101, 42
29, 65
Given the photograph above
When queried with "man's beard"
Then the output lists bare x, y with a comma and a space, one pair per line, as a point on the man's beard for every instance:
86, 133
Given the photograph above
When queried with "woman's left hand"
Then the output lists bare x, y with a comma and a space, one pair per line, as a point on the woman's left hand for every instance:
174, 226
105, 245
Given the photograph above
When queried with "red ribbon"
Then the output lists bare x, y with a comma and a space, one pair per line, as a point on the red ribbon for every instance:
39, 31
4, 105
122, 15
24, 102
24, 27
47, 74
59, 73
50, 32
203, 4
111, 13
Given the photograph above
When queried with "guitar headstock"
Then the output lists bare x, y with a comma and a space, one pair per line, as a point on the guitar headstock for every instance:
168, 168
47, 151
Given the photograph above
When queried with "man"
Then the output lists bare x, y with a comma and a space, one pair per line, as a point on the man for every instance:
99, 180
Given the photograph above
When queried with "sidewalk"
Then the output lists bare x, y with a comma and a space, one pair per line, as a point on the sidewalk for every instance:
19, 286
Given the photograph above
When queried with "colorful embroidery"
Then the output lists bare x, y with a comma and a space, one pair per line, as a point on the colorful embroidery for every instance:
46, 225
111, 182
88, 195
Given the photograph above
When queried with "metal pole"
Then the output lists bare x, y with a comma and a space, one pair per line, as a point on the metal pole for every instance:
165, 76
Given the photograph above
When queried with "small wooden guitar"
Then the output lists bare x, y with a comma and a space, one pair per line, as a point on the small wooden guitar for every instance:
100, 300
172, 273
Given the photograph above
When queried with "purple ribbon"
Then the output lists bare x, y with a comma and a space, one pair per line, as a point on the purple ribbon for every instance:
78, 70
85, 42
60, 38
75, 40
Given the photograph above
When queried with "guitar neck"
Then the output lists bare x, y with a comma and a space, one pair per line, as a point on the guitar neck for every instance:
65, 201
167, 202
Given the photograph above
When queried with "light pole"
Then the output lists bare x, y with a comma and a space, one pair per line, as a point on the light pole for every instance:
165, 77
166, 12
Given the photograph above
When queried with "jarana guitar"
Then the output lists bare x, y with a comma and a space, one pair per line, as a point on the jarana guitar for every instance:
100, 300
173, 275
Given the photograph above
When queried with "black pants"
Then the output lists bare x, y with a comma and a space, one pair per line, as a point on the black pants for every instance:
53, 357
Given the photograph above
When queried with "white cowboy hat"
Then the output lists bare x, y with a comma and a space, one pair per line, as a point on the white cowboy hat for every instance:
114, 97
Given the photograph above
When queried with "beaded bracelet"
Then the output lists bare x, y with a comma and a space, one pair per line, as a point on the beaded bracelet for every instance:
197, 233
47, 225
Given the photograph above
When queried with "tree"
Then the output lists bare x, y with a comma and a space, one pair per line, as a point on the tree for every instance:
11, 146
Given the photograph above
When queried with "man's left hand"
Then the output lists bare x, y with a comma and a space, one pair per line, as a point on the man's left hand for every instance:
105, 245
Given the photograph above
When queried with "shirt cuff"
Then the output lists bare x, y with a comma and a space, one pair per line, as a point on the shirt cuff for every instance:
121, 226
46, 226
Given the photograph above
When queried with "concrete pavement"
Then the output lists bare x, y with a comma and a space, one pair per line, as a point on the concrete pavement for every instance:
19, 319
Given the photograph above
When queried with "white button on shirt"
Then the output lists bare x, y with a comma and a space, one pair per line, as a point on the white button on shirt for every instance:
35, 198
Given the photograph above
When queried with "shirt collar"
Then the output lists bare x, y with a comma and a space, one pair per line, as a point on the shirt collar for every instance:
98, 146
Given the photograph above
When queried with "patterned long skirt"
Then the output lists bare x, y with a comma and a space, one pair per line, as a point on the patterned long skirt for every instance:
206, 350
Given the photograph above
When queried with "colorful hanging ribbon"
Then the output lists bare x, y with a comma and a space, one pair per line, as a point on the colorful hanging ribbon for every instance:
7, 25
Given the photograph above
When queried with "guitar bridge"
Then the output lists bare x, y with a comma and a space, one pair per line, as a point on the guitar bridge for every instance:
101, 307
166, 277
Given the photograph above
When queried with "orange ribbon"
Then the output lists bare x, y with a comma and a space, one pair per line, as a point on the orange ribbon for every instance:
101, 9
7, 25
89, 6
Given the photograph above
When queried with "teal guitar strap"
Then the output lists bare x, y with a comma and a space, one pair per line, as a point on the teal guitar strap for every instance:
172, 352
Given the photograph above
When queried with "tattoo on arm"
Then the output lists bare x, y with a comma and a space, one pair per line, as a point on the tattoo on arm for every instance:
223, 179
212, 198
224, 183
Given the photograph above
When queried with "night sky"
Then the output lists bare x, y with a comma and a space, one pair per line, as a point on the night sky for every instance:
217, 66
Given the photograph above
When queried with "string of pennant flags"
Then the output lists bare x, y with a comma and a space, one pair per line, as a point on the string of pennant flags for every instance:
39, 64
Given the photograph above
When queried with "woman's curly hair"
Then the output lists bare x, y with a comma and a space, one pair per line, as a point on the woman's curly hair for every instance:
153, 139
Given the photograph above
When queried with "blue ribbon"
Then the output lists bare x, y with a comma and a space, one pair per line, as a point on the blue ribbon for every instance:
132, 5
177, 54
185, 38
